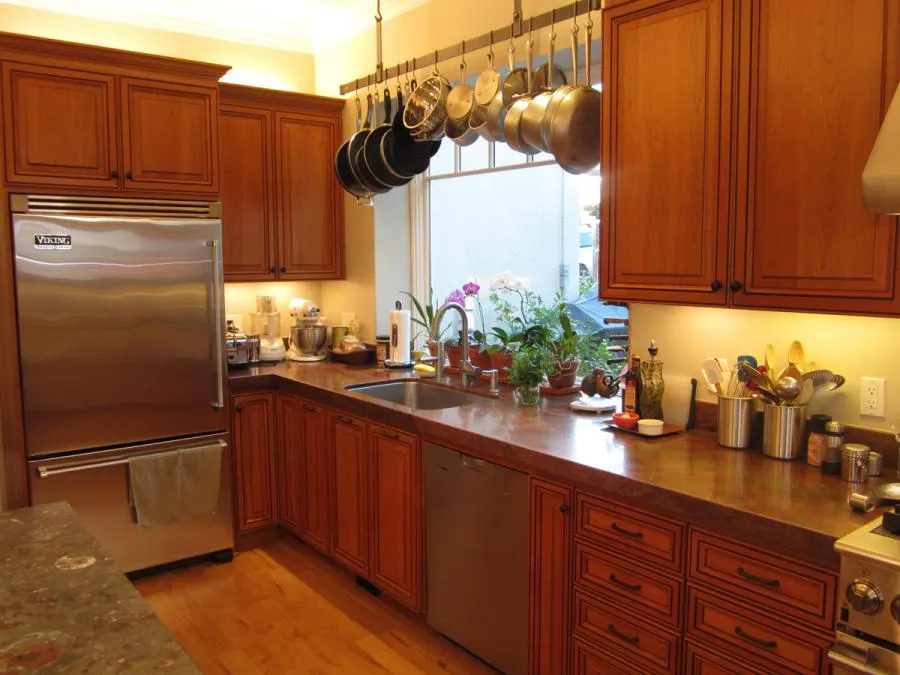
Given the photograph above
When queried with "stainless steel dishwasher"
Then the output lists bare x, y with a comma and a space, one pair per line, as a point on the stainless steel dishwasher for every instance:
476, 556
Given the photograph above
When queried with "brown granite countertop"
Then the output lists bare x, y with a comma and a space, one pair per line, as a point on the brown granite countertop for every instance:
66, 608
783, 506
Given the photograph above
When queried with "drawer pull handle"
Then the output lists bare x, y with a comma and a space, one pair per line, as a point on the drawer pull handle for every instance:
393, 437
628, 533
634, 588
769, 583
345, 420
309, 408
765, 644
630, 639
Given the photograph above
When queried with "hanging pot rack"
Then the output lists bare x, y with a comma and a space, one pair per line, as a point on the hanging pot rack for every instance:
513, 30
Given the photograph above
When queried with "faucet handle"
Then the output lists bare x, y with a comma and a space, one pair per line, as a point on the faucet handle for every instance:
493, 381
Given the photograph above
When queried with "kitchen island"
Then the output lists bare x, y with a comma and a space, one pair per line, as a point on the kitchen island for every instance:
66, 608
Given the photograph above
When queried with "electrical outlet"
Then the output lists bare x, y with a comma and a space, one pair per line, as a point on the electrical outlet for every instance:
871, 396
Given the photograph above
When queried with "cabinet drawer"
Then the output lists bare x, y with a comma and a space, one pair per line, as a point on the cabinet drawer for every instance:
753, 635
764, 579
649, 650
636, 534
701, 661
637, 590
588, 660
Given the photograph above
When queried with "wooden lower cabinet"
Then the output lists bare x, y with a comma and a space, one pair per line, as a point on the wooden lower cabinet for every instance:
588, 660
303, 470
551, 573
397, 514
253, 436
350, 490
704, 661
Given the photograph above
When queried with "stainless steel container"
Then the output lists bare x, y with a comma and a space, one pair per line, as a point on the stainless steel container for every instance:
309, 340
783, 431
875, 463
855, 462
735, 419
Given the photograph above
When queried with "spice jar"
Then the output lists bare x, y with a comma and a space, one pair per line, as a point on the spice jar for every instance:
834, 439
855, 462
874, 464
382, 345
815, 444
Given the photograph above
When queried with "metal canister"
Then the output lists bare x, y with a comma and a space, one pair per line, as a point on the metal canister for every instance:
875, 463
382, 347
855, 462
834, 439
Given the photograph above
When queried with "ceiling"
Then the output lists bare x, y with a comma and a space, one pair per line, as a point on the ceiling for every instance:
293, 25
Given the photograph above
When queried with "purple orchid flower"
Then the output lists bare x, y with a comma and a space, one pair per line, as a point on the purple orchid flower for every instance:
457, 296
471, 288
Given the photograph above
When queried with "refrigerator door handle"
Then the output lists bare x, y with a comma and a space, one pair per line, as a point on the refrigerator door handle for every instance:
218, 321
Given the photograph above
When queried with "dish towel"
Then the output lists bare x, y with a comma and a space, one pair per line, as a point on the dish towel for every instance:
155, 488
199, 475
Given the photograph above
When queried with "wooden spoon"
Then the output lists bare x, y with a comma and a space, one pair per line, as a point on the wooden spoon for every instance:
795, 353
768, 361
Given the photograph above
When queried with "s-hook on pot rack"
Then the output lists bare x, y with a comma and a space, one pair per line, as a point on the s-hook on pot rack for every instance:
509, 32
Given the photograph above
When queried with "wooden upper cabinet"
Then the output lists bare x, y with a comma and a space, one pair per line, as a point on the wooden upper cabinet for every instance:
310, 203
169, 136
667, 78
248, 219
397, 517
350, 488
253, 435
816, 77
60, 126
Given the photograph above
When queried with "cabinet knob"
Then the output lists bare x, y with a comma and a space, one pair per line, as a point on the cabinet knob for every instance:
272, 269
113, 174
129, 175
283, 269
564, 508
238, 408
735, 286
716, 286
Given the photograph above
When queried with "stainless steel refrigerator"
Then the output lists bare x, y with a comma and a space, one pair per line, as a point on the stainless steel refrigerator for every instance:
121, 320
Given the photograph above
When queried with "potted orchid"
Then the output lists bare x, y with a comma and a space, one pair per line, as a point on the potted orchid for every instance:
468, 297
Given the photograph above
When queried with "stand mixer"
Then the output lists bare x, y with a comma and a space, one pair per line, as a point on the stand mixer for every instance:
309, 332
267, 324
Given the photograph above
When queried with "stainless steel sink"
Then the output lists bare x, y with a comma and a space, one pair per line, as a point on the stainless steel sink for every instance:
415, 394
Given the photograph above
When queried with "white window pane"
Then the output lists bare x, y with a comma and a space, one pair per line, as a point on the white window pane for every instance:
442, 162
474, 156
506, 156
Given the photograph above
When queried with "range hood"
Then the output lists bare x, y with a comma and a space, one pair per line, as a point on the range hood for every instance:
881, 177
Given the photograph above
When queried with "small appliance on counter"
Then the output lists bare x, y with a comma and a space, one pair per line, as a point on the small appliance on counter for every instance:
240, 349
309, 332
868, 626
267, 324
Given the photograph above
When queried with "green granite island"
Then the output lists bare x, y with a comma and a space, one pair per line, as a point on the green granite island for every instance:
66, 608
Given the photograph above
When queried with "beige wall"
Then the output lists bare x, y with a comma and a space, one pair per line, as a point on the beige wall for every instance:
851, 346
255, 66
241, 299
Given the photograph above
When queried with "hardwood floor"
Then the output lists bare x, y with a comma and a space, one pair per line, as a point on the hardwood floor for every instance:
282, 608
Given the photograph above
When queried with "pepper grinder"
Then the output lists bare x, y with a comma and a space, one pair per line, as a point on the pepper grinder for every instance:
652, 385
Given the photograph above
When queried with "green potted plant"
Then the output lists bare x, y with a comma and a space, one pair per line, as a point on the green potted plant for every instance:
423, 316
526, 373
564, 345
501, 350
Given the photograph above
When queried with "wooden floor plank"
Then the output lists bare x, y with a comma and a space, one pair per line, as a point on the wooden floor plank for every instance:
283, 608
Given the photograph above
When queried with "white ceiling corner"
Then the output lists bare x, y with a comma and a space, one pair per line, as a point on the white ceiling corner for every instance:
293, 25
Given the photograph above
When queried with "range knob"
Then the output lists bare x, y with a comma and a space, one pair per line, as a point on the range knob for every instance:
895, 609
865, 597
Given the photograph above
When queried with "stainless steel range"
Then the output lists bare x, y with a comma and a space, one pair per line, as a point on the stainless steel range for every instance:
868, 634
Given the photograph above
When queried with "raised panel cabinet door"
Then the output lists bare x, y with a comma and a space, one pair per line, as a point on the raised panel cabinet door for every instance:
248, 190
309, 200
349, 471
60, 126
170, 136
289, 424
551, 571
810, 110
315, 500
667, 78
396, 515
253, 430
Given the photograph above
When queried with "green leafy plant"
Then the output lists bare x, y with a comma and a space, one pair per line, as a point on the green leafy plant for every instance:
423, 315
529, 365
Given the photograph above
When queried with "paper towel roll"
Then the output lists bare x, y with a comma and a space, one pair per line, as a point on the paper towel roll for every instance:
400, 336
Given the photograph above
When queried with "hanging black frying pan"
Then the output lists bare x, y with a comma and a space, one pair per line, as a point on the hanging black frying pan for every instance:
343, 167
403, 166
372, 150
358, 162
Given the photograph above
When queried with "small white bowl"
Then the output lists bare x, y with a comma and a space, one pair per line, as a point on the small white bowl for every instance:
650, 427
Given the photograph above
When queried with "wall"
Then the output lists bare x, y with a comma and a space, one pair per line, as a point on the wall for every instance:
848, 345
255, 66
241, 299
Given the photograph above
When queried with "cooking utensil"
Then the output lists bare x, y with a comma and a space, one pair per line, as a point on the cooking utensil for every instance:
571, 127
692, 407
761, 382
461, 98
517, 80
357, 159
712, 373
837, 381
404, 152
488, 83
372, 155
769, 361
795, 353
426, 110
787, 388
819, 378
342, 167
533, 115
806, 393
512, 123
791, 371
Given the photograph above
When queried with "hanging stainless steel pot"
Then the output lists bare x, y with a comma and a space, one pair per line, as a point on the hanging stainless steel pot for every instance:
512, 130
533, 115
426, 110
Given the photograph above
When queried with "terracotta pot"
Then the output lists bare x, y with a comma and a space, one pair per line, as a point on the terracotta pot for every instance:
453, 355
564, 375
433, 349
479, 358
501, 361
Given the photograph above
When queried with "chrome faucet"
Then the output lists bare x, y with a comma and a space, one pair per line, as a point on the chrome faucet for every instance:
467, 370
